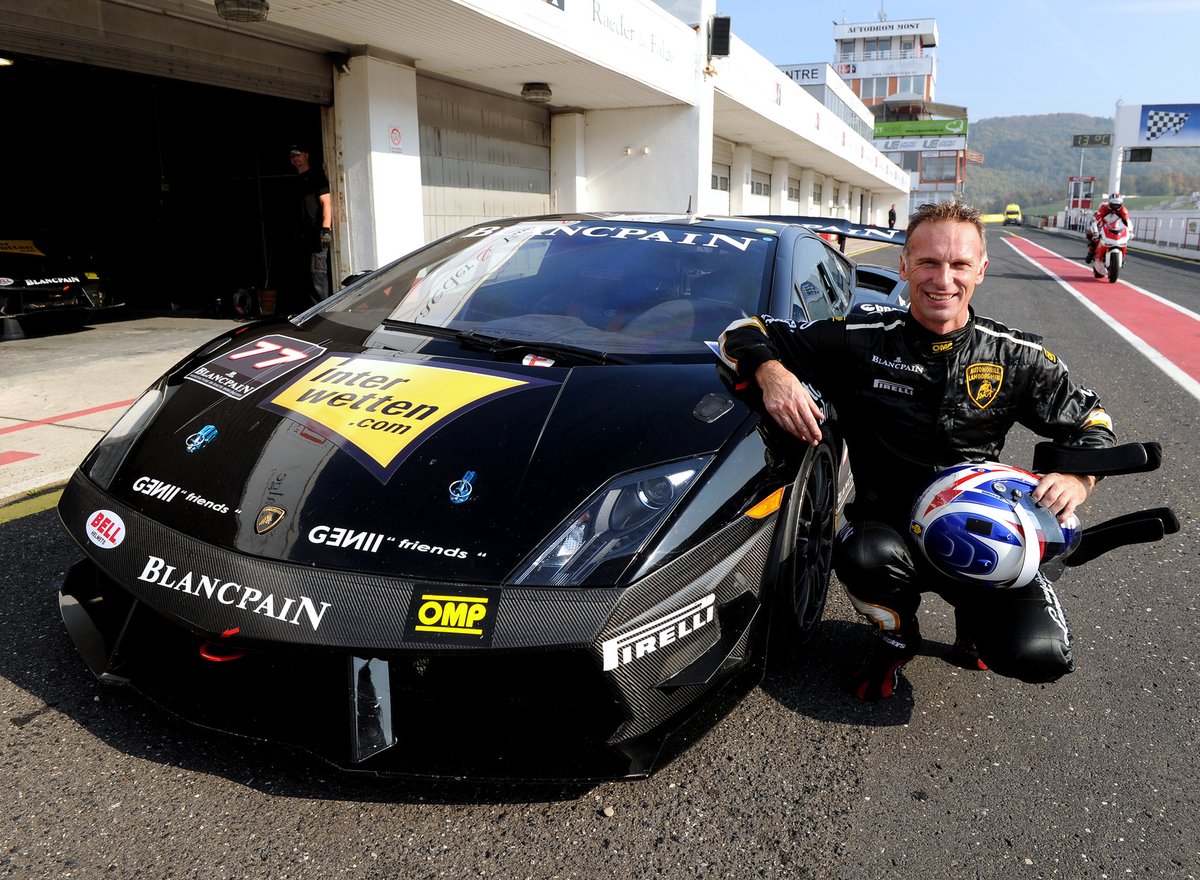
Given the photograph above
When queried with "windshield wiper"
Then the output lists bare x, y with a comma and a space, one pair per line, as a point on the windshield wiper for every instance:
502, 345
505, 345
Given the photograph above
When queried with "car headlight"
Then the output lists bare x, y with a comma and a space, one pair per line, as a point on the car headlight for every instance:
615, 523
105, 459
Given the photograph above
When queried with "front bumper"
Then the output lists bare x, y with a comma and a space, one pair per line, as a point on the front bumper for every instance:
575, 683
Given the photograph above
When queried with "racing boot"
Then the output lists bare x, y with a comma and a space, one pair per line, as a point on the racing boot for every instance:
963, 652
877, 677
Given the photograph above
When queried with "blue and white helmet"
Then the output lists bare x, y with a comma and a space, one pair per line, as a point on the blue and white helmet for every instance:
979, 523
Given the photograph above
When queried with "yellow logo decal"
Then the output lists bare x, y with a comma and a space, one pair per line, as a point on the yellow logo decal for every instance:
451, 616
379, 409
1050, 356
983, 383
939, 347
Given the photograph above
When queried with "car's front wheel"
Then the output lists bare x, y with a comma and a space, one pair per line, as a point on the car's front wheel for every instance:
804, 573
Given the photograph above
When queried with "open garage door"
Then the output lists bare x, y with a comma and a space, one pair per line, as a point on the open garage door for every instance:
181, 193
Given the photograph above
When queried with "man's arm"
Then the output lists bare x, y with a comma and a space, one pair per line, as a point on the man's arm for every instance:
789, 403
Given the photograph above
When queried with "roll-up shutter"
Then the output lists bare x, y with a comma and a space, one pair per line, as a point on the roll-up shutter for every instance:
482, 157
181, 42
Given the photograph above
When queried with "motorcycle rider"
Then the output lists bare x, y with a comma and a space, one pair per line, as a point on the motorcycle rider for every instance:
917, 392
1114, 205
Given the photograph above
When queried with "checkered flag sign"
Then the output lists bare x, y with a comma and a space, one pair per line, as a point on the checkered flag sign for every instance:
1160, 122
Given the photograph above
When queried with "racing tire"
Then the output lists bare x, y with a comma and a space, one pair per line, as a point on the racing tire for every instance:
1114, 269
804, 573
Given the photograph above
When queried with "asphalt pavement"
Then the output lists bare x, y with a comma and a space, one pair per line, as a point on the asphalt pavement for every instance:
62, 389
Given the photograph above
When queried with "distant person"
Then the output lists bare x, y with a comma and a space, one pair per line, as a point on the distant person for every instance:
892, 217
1114, 205
313, 232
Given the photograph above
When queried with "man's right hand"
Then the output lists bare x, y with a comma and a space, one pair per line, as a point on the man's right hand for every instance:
789, 403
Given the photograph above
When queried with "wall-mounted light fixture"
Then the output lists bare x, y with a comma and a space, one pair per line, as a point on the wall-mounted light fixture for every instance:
242, 10
536, 93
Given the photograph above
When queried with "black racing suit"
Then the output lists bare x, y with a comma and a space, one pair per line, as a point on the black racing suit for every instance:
909, 404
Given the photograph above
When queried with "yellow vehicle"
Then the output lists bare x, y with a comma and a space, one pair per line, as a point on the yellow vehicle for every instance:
1012, 215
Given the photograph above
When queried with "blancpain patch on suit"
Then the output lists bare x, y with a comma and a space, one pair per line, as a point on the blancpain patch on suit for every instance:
248, 367
649, 637
379, 409
215, 588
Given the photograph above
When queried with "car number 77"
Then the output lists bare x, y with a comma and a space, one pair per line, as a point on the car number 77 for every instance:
264, 346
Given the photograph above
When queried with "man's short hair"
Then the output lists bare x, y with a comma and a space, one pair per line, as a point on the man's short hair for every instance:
951, 211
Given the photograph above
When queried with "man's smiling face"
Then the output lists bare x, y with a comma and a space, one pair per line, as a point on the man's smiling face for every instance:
942, 262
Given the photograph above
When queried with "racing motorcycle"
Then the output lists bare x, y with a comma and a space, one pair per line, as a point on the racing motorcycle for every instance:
1111, 248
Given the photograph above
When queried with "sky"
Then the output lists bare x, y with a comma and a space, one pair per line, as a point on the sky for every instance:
1010, 57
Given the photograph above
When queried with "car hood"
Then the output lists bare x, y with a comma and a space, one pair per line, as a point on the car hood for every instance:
446, 468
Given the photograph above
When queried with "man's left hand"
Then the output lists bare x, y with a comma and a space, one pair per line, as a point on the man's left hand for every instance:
1062, 493
326, 236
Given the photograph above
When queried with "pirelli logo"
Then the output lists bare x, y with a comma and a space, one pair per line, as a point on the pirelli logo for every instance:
648, 638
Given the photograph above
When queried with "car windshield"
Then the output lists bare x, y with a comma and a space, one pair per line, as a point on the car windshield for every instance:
622, 286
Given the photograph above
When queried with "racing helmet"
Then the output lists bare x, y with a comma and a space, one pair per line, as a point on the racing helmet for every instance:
978, 523
1116, 200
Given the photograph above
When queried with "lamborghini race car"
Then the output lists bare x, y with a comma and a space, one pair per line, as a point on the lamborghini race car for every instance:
492, 511
38, 279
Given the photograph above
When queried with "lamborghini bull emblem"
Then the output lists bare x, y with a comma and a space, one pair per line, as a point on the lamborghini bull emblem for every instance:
269, 517
983, 383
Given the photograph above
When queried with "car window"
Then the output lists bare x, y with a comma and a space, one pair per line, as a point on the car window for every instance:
812, 293
839, 274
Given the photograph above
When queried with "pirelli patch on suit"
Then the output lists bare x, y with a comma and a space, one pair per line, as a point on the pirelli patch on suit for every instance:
983, 383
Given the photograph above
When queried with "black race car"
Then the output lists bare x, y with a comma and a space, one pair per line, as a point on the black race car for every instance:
38, 279
493, 511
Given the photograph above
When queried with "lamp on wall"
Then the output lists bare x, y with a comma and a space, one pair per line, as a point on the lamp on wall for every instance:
242, 10
536, 93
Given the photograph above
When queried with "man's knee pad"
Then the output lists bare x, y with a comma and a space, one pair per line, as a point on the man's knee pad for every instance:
1023, 633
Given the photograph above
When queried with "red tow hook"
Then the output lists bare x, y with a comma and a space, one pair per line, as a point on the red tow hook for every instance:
219, 653
215, 652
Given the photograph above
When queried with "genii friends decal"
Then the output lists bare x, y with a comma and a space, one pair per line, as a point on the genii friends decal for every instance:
378, 409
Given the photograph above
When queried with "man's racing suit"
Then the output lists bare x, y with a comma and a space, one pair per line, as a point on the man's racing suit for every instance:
910, 403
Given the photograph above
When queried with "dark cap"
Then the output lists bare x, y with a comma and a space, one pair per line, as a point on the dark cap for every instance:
297, 149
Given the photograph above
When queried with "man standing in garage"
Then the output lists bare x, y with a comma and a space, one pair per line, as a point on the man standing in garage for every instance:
313, 232
907, 402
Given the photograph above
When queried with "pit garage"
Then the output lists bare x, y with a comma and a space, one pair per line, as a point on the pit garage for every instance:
156, 145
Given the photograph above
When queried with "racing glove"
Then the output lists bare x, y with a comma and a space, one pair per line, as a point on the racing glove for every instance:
877, 677
326, 236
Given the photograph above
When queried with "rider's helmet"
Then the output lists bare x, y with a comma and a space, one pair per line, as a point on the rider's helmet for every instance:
978, 523
1116, 200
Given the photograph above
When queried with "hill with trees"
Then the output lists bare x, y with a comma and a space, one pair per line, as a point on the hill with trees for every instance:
1027, 159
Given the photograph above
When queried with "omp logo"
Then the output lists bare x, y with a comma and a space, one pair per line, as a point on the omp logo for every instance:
648, 638
453, 615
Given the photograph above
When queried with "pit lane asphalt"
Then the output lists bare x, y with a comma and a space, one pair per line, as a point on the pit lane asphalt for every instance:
962, 774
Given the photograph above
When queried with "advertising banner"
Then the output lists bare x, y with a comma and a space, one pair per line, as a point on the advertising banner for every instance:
1169, 125
922, 128
907, 145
